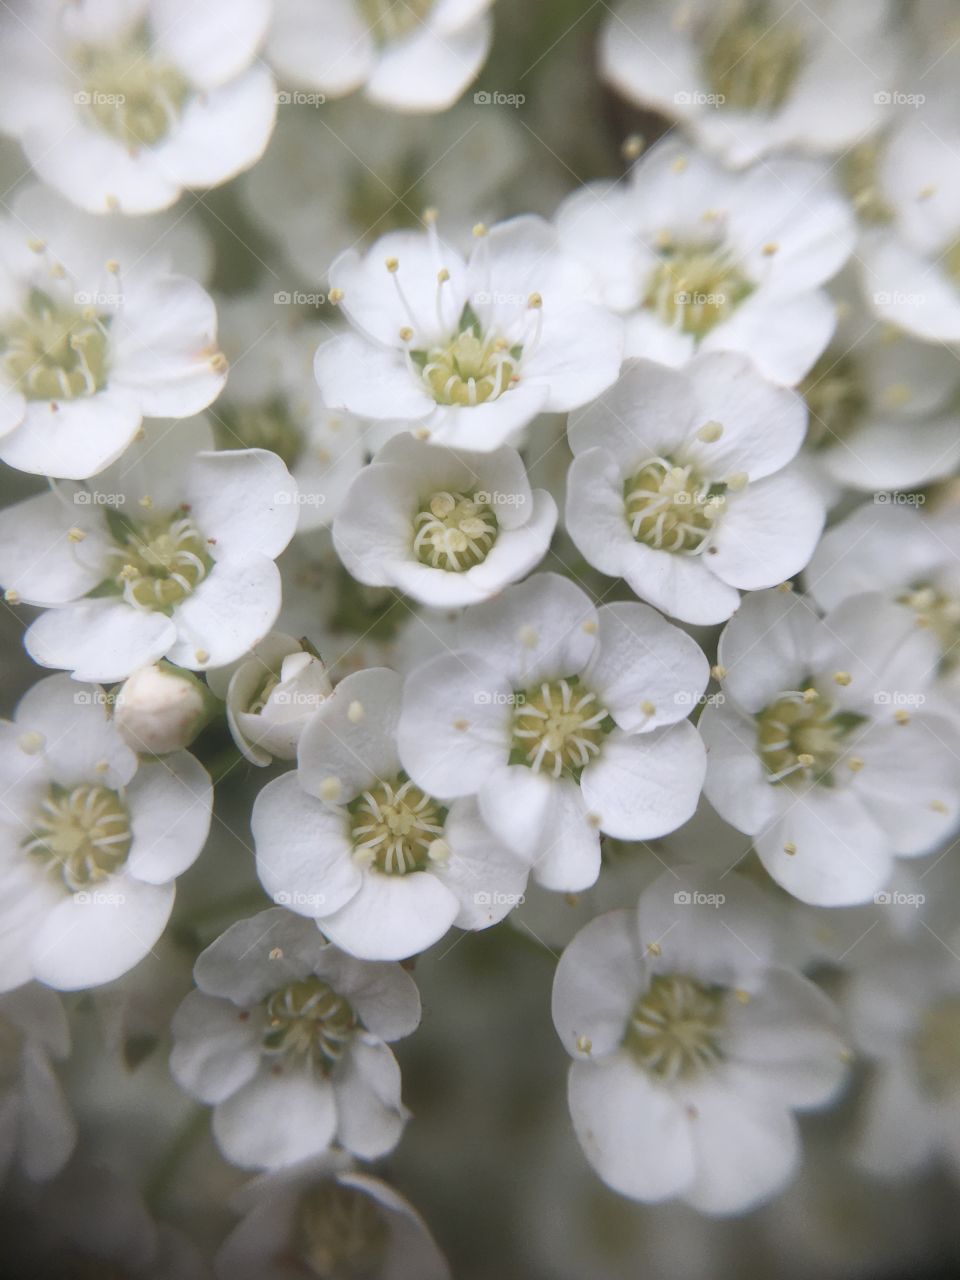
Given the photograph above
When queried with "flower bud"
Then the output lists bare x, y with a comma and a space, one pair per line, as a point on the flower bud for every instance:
160, 709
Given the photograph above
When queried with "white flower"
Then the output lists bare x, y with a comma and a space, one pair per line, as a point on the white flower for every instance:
911, 269
169, 555
159, 709
272, 402
286, 1039
347, 182
824, 750
415, 55
270, 694
91, 842
120, 107
38, 1132
327, 1219
564, 721
447, 528
382, 865
752, 76
96, 333
691, 1049
680, 485
701, 259
466, 353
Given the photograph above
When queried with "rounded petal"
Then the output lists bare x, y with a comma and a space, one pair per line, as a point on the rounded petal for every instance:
366, 1088
215, 1050
646, 785
393, 917
277, 1119
170, 803
99, 640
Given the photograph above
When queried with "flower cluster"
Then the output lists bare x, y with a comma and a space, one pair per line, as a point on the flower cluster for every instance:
441, 556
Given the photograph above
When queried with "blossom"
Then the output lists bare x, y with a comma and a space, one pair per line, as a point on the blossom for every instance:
824, 750
699, 259
325, 1215
681, 485
465, 353
445, 527
120, 108
287, 1038
38, 1131
97, 332
170, 554
691, 1047
91, 840
419, 55
752, 76
382, 865
159, 709
270, 694
564, 720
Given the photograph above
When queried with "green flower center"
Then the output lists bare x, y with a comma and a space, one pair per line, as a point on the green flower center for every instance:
162, 561
695, 287
130, 94
454, 532
55, 352
941, 613
676, 1026
668, 507
859, 175
937, 1048
340, 1233
470, 370
558, 727
393, 19
396, 828
751, 57
83, 832
836, 398
268, 425
802, 735
308, 1024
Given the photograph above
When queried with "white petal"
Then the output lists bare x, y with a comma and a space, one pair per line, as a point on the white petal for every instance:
39, 561
429, 70
736, 783
366, 1088
215, 1050
648, 784
99, 639
368, 380
768, 532
486, 878
393, 917
211, 44
231, 610
80, 741
597, 982
351, 737
76, 440
649, 412
170, 802
276, 1120
244, 499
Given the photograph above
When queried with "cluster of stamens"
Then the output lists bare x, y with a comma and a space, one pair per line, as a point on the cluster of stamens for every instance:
55, 352
676, 1026
695, 287
669, 508
751, 58
84, 833
939, 611
391, 19
308, 1024
162, 562
268, 425
835, 396
340, 1233
132, 95
396, 828
558, 727
802, 735
454, 532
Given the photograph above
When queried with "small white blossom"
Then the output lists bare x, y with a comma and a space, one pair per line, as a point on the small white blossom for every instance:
159, 709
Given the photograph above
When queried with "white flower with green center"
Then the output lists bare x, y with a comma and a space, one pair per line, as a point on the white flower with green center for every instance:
324, 1219
700, 259
564, 721
270, 694
748, 77
287, 1039
828, 750
169, 553
121, 109
40, 1133
465, 353
381, 864
409, 55
96, 334
445, 527
691, 1049
91, 842
680, 484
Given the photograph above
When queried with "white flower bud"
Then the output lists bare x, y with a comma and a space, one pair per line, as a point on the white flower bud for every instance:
159, 710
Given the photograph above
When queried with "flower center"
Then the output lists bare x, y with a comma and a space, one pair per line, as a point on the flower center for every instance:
454, 532
268, 425
84, 833
941, 613
397, 828
835, 396
53, 352
471, 369
392, 19
937, 1048
340, 1233
695, 287
308, 1024
676, 1026
129, 93
669, 508
859, 176
801, 733
751, 59
558, 727
162, 561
